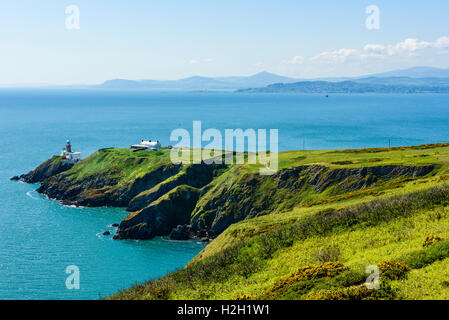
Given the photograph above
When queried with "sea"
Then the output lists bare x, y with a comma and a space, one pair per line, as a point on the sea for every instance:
41, 239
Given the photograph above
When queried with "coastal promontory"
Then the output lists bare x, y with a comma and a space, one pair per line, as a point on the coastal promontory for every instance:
202, 200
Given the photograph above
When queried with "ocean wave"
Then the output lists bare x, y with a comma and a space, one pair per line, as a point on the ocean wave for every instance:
72, 206
102, 237
29, 194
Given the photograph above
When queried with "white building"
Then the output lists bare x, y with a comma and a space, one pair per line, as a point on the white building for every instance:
147, 144
69, 156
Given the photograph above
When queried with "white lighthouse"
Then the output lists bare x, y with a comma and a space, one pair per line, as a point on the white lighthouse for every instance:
69, 156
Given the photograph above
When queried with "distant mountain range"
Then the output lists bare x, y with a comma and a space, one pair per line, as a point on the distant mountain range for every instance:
327, 87
416, 72
414, 80
261, 79
418, 79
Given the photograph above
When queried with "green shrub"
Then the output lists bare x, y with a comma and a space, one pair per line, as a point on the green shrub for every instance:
352, 293
431, 240
393, 270
273, 240
360, 292
245, 297
246, 257
371, 213
327, 254
439, 213
153, 289
223, 264
247, 263
421, 258
299, 290
310, 272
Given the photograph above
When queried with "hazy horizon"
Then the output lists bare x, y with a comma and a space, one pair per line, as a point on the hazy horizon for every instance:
84, 42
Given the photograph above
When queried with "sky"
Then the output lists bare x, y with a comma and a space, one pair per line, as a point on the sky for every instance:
172, 39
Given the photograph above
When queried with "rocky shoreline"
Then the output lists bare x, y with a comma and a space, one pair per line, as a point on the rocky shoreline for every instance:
47, 169
197, 200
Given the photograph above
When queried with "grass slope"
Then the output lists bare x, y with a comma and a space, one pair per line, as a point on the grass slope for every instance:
121, 163
320, 248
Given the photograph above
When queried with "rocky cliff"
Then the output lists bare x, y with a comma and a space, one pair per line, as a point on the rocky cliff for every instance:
160, 217
103, 188
253, 195
198, 199
47, 169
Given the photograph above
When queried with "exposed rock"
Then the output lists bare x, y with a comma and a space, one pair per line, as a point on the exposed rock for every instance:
115, 225
106, 233
160, 217
102, 189
352, 179
15, 178
195, 175
45, 170
181, 232
202, 233
226, 205
164, 196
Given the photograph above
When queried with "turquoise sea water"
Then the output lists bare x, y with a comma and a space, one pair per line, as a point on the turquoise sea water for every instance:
39, 238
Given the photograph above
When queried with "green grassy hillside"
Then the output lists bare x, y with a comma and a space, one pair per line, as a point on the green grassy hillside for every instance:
111, 177
316, 233
123, 164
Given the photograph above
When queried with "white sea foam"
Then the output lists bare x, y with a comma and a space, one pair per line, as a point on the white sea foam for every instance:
73, 206
29, 194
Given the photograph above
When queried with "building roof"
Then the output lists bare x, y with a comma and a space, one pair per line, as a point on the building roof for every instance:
150, 143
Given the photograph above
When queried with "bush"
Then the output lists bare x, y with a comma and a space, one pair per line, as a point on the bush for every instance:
159, 289
273, 240
373, 212
431, 240
438, 214
361, 292
235, 260
223, 264
393, 270
247, 263
310, 272
352, 293
327, 254
245, 297
421, 258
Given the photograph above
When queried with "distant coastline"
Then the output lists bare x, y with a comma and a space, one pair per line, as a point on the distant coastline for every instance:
413, 80
326, 87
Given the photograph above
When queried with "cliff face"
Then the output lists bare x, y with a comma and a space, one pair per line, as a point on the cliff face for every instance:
161, 216
207, 203
45, 170
102, 189
254, 195
195, 175
200, 200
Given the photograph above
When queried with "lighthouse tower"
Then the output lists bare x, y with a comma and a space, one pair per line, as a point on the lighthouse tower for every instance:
68, 156
68, 146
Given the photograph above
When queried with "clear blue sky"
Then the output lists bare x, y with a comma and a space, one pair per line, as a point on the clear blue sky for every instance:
170, 39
